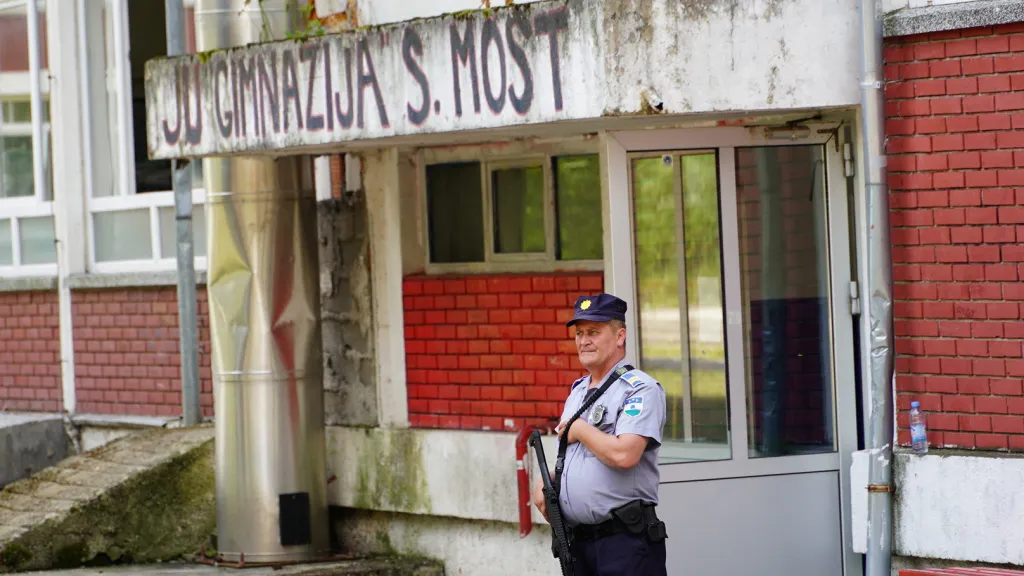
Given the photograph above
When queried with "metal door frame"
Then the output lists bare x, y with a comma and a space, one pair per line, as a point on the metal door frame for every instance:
620, 280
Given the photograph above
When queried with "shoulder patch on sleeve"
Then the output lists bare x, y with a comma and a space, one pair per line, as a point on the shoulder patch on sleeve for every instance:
632, 379
634, 406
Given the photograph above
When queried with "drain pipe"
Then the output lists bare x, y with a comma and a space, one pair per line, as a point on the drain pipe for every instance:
879, 297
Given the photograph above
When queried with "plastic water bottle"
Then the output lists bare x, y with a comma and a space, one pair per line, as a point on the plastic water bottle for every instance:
918, 432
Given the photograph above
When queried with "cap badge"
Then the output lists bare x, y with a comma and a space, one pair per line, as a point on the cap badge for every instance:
585, 304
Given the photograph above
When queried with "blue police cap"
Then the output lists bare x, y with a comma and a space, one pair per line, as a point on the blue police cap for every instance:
599, 308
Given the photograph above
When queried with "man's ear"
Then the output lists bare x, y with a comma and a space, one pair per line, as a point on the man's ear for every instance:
620, 336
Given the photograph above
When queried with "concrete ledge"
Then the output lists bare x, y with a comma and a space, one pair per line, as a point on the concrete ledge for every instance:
96, 430
960, 508
29, 443
128, 280
28, 284
953, 17
426, 472
466, 547
121, 421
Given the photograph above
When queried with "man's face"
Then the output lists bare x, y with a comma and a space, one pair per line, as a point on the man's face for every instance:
597, 342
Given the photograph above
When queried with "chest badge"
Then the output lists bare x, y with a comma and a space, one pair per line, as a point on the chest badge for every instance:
596, 415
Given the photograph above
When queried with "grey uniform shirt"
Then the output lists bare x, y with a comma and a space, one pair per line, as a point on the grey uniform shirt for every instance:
633, 404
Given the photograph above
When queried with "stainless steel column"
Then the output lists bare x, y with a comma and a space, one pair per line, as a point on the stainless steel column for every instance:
263, 287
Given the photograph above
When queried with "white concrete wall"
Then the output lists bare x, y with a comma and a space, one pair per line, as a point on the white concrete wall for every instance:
460, 474
467, 548
965, 508
377, 12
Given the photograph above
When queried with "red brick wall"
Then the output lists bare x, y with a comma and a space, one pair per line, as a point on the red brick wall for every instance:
126, 352
961, 572
491, 352
30, 352
955, 108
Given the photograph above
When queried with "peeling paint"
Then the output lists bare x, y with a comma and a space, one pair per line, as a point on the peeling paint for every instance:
698, 9
349, 361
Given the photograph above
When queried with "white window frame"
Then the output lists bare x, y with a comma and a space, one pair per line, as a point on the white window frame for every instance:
125, 197
13, 88
514, 155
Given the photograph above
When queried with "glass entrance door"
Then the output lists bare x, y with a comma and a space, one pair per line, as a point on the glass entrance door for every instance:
739, 278
680, 300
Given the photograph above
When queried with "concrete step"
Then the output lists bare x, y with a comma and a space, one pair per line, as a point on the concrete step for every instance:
147, 497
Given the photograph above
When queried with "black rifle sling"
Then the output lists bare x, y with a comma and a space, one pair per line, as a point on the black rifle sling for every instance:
563, 441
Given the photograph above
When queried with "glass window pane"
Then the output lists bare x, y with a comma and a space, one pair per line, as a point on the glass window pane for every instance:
705, 303
784, 274
169, 234
518, 206
14, 31
578, 197
6, 245
455, 212
17, 112
16, 166
37, 240
679, 301
122, 235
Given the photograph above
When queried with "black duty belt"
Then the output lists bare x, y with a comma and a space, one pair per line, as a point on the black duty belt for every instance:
637, 518
609, 527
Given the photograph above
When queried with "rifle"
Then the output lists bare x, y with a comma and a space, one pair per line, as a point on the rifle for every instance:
559, 534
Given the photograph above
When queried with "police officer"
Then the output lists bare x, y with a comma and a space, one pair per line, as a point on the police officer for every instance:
609, 483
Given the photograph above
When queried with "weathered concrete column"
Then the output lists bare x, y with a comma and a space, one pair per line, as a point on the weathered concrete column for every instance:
361, 263
265, 329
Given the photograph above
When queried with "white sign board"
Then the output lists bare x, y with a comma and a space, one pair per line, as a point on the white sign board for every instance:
524, 64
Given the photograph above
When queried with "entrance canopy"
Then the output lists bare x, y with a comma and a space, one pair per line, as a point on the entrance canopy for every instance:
522, 65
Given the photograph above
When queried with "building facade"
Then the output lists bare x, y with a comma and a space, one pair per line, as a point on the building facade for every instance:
478, 168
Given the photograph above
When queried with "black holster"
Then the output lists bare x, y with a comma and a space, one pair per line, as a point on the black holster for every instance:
640, 517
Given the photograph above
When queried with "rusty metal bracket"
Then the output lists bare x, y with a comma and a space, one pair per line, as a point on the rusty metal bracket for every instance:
879, 488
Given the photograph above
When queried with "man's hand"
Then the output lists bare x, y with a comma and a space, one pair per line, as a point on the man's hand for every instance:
575, 433
538, 497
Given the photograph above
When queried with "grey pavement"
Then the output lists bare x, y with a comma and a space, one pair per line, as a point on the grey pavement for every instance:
380, 566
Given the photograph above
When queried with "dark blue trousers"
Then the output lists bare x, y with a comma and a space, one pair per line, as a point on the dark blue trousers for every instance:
620, 554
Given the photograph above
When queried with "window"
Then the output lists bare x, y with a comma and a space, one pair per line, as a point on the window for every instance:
131, 198
494, 212
26, 209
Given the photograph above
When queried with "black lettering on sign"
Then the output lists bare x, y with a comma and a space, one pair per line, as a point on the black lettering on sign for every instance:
462, 49
172, 136
550, 24
247, 78
368, 77
345, 118
521, 103
268, 88
234, 97
308, 53
491, 35
193, 132
290, 91
224, 119
412, 44
328, 87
